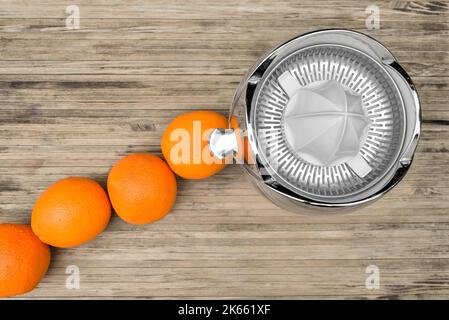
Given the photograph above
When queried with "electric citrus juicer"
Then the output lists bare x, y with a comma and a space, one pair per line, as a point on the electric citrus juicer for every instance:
332, 122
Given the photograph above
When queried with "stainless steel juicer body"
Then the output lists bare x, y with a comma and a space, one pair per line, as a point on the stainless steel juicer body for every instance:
332, 122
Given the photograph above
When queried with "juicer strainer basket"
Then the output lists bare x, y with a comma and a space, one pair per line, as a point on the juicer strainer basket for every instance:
332, 121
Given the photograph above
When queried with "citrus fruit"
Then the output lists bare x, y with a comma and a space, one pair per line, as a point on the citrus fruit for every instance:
71, 212
142, 188
24, 259
185, 144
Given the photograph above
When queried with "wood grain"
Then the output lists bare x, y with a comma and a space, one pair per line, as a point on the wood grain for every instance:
72, 102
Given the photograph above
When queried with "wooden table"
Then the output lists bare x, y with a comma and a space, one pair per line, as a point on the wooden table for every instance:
74, 101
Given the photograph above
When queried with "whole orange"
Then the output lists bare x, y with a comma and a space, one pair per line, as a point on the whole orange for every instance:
71, 212
142, 188
185, 144
24, 259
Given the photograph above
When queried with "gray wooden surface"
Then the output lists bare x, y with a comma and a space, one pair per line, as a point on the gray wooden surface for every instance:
72, 102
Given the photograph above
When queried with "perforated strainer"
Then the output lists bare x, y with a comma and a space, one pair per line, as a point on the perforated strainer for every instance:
331, 119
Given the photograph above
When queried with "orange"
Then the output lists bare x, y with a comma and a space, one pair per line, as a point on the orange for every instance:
71, 212
248, 156
24, 259
142, 188
185, 144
